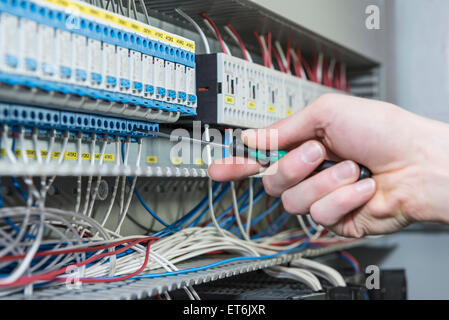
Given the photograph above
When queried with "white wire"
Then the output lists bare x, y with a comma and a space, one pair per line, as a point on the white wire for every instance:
131, 191
278, 46
301, 275
326, 272
250, 206
207, 23
197, 27
236, 40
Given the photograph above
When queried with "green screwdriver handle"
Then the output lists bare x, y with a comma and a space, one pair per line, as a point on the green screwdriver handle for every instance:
266, 157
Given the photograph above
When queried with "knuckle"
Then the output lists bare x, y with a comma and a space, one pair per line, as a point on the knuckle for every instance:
289, 203
268, 186
288, 171
341, 201
318, 215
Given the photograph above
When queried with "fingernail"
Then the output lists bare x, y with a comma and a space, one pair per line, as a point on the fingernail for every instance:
247, 133
365, 186
311, 152
345, 170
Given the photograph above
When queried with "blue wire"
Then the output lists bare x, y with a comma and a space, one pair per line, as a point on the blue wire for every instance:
22, 193
275, 226
218, 197
142, 202
192, 213
353, 265
262, 215
215, 264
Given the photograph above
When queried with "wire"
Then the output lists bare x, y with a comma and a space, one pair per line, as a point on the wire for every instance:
262, 48
236, 37
326, 272
351, 259
197, 27
217, 32
141, 200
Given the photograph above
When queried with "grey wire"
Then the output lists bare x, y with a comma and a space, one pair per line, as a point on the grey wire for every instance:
145, 12
197, 27
135, 10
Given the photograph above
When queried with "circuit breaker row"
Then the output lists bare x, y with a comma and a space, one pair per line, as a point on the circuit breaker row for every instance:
234, 92
75, 48
45, 119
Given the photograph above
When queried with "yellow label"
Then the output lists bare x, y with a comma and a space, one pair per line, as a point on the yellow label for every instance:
107, 157
271, 108
251, 105
198, 162
55, 154
288, 112
151, 159
229, 100
31, 154
71, 155
85, 156
176, 160
124, 22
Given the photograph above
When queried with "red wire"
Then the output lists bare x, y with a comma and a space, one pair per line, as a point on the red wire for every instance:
65, 251
350, 257
262, 49
220, 39
242, 45
337, 84
315, 67
288, 56
326, 80
269, 49
52, 274
122, 278
278, 59
305, 64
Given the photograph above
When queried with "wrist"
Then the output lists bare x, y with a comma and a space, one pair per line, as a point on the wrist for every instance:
433, 175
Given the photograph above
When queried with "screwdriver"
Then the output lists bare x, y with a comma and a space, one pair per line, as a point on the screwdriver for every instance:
262, 156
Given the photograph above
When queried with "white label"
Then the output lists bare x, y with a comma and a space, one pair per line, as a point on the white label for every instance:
159, 72
190, 80
80, 43
94, 56
180, 76
147, 62
124, 63
169, 75
136, 60
110, 58
29, 39
9, 29
64, 46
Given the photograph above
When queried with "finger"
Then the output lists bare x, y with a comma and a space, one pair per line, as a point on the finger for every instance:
331, 209
293, 167
232, 168
303, 125
299, 199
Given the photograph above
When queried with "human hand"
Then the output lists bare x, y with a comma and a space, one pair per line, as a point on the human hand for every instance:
407, 155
